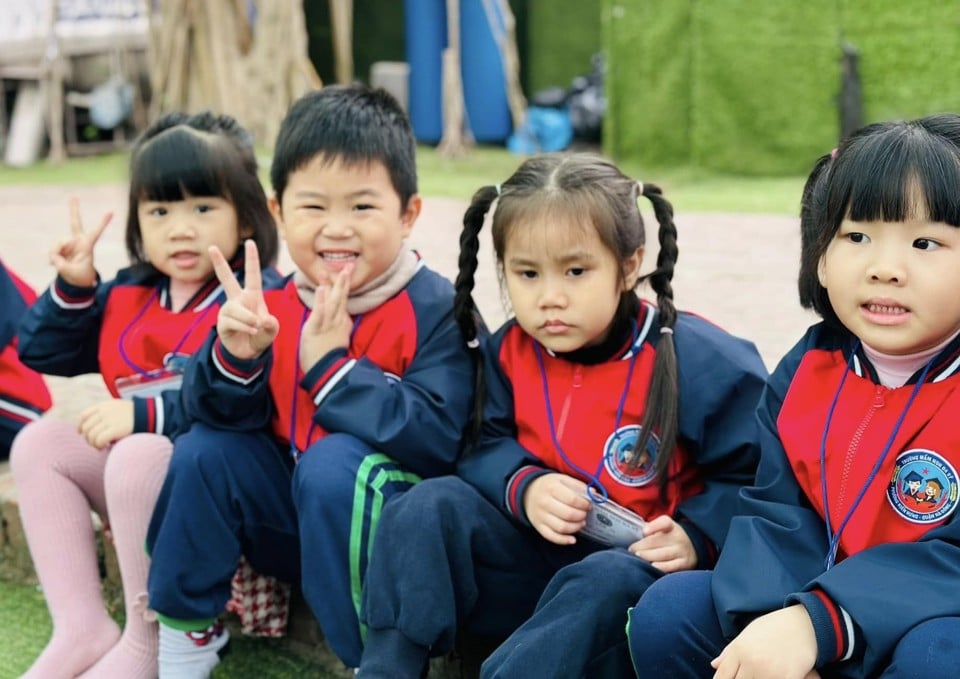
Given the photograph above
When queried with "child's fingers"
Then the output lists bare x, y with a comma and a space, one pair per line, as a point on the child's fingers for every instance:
270, 325
556, 537
573, 496
97, 232
318, 315
670, 566
239, 323
341, 291
76, 226
251, 267
224, 273
661, 524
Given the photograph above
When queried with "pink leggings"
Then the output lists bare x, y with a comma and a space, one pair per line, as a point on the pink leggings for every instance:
60, 478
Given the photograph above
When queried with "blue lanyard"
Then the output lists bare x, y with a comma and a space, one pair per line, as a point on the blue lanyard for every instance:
173, 352
834, 538
595, 489
294, 453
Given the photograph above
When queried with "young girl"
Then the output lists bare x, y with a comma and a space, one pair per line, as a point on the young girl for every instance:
594, 398
193, 184
857, 421
23, 393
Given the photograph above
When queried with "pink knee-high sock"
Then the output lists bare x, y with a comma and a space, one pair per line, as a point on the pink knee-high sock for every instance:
135, 471
59, 479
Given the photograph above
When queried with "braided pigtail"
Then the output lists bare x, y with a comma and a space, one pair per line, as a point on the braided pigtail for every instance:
465, 310
662, 411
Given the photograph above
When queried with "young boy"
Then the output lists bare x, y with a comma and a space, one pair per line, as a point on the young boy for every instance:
315, 403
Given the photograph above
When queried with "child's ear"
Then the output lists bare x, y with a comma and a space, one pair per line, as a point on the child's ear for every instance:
822, 270
410, 214
276, 211
631, 269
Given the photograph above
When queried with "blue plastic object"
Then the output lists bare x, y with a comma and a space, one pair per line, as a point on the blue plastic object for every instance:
484, 83
546, 130
425, 35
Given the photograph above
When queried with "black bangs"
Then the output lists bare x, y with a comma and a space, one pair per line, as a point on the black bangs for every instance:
904, 172
179, 163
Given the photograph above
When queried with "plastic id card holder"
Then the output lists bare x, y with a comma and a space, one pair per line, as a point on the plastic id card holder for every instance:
148, 384
611, 524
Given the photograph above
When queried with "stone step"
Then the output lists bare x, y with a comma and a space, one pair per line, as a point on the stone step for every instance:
303, 632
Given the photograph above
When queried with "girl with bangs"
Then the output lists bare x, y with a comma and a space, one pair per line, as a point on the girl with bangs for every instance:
193, 184
843, 564
613, 437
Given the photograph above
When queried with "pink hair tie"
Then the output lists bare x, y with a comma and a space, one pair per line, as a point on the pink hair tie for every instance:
833, 153
666, 331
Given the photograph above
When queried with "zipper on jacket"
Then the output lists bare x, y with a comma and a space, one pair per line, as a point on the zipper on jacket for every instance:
879, 401
577, 382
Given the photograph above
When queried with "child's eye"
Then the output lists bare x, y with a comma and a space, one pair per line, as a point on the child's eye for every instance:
204, 208
363, 206
857, 237
157, 212
576, 271
925, 244
529, 274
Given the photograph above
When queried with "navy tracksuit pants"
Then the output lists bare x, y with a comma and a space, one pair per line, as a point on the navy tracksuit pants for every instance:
674, 632
232, 493
445, 558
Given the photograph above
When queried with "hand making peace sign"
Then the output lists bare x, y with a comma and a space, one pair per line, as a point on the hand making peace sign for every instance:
244, 324
329, 325
72, 256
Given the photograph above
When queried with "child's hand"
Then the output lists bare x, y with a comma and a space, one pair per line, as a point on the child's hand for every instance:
665, 545
244, 324
72, 257
778, 645
557, 506
106, 422
329, 325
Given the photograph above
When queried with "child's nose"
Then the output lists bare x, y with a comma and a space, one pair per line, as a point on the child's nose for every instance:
553, 295
887, 267
337, 226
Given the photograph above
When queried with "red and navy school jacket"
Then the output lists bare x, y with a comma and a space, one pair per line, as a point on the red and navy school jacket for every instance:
532, 413
404, 385
23, 393
890, 484
122, 329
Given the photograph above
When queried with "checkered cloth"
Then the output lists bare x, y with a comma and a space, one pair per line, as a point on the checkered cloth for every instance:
260, 601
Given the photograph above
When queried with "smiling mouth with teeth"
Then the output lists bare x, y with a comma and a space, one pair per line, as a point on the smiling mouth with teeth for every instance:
882, 309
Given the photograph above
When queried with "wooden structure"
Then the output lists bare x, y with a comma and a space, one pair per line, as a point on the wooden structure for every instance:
41, 42
212, 54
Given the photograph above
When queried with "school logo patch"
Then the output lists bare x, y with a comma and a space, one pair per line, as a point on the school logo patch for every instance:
620, 450
924, 486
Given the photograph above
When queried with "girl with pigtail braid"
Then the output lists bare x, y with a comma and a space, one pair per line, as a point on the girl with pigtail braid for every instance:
613, 437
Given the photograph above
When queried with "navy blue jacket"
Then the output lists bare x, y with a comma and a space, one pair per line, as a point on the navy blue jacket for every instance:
720, 381
898, 558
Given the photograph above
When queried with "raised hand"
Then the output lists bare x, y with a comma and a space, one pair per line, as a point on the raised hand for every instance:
557, 506
106, 422
778, 645
244, 324
665, 545
72, 256
329, 325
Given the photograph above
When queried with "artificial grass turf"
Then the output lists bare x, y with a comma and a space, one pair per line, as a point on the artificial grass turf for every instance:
26, 628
